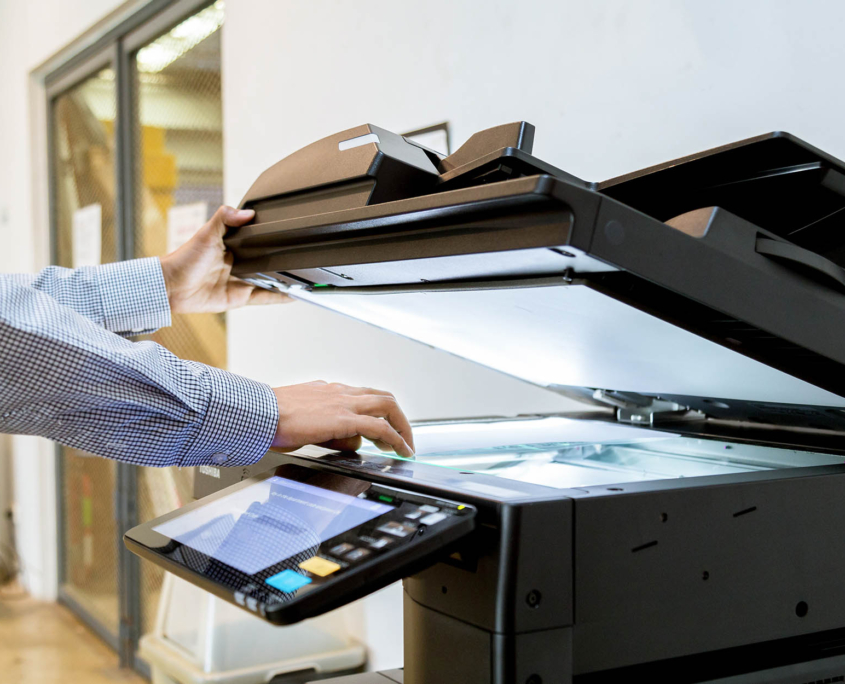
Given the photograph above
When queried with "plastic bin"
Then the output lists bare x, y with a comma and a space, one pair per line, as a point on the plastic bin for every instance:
199, 638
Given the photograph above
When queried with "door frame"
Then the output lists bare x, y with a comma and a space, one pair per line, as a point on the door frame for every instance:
111, 43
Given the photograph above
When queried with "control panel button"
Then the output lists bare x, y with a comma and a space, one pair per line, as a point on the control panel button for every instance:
379, 543
357, 554
429, 509
433, 518
319, 566
340, 549
252, 604
288, 581
414, 515
397, 529
240, 599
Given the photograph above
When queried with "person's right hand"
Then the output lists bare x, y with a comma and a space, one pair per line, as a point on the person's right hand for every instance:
198, 275
337, 416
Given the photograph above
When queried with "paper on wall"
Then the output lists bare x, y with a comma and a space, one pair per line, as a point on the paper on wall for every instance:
436, 140
183, 221
87, 235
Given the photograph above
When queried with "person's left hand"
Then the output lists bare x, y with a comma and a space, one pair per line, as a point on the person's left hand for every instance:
198, 275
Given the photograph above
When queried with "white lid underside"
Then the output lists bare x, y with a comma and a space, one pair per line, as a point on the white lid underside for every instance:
573, 335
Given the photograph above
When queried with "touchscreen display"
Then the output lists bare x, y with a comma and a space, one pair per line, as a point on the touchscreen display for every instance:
268, 522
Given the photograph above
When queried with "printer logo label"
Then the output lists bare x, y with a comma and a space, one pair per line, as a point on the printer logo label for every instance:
210, 471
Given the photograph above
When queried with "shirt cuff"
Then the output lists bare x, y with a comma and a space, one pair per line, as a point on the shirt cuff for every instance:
239, 424
134, 296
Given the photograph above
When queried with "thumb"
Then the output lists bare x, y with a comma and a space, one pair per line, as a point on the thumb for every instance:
226, 217
235, 218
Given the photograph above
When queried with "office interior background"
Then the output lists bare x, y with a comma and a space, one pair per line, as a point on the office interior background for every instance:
214, 93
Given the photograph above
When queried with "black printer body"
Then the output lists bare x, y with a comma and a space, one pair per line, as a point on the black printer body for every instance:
689, 524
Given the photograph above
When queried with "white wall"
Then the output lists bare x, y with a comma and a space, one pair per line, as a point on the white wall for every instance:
30, 32
611, 85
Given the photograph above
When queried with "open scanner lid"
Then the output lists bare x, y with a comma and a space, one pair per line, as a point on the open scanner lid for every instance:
711, 283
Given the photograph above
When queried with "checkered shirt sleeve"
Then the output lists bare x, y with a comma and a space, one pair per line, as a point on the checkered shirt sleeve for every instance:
66, 376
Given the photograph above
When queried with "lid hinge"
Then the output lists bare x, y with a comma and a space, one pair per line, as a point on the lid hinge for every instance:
637, 409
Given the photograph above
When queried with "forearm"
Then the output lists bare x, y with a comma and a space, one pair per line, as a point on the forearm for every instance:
64, 378
126, 297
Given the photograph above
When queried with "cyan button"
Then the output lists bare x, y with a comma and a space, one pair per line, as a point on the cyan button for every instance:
288, 581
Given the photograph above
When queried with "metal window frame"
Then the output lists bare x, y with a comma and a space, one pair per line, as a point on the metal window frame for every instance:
115, 48
75, 73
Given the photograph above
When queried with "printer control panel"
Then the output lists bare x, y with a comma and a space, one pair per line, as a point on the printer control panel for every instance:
295, 542
353, 549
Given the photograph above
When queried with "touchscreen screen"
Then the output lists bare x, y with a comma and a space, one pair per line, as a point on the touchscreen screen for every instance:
268, 522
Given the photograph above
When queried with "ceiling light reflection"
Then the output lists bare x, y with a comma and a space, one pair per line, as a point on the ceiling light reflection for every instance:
165, 50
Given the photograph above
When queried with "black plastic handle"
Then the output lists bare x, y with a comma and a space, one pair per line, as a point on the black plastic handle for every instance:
807, 261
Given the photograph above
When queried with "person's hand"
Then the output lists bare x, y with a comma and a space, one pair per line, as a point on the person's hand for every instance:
337, 416
198, 275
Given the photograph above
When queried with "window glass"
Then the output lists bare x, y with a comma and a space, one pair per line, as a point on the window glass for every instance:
84, 172
179, 176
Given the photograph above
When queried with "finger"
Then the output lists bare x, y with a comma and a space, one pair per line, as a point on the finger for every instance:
238, 293
377, 429
235, 218
382, 446
224, 218
260, 297
387, 408
358, 391
347, 444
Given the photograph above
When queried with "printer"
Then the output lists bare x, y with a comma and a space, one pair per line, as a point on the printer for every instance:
688, 525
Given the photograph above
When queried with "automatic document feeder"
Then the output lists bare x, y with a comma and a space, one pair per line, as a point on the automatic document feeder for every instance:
688, 526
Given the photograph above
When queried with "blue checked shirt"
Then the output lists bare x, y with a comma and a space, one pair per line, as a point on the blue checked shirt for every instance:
66, 375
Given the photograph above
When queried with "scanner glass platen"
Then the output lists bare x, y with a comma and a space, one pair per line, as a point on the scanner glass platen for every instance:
564, 453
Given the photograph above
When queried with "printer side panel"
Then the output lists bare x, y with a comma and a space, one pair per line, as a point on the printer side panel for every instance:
211, 479
505, 597
684, 569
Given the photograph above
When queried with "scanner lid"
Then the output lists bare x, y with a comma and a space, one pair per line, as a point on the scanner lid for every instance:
711, 283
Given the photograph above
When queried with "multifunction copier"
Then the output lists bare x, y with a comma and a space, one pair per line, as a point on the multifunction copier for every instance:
687, 526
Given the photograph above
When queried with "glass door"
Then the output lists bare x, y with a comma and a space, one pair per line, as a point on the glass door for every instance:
85, 230
136, 166
178, 144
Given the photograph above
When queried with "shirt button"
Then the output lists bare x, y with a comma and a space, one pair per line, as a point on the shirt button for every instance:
220, 458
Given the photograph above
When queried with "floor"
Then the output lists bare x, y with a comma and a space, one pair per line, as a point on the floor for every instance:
43, 643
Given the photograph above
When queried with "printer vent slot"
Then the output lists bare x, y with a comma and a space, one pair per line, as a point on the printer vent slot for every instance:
745, 511
643, 547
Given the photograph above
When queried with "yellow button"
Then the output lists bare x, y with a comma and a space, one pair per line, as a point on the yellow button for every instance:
319, 566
